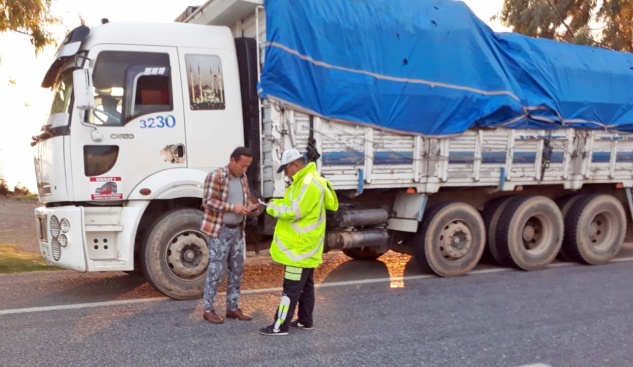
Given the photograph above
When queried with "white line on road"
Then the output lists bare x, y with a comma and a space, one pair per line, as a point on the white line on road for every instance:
536, 365
275, 290
81, 305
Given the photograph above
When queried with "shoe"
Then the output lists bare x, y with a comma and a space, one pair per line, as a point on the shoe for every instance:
299, 325
212, 317
238, 314
269, 330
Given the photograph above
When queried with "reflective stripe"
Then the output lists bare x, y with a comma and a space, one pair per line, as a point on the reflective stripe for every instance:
282, 312
316, 225
309, 228
276, 208
295, 203
300, 257
293, 273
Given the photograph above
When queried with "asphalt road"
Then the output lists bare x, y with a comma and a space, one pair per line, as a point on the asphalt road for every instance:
382, 313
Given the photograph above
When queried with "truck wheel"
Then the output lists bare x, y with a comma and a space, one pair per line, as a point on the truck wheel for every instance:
176, 256
364, 253
565, 203
529, 232
595, 229
491, 215
450, 239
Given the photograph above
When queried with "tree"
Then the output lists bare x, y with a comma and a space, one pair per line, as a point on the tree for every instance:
30, 17
604, 23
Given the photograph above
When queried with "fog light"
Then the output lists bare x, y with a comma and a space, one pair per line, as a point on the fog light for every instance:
56, 249
65, 225
63, 240
54, 226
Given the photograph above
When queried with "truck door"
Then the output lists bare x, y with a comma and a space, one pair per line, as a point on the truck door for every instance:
137, 126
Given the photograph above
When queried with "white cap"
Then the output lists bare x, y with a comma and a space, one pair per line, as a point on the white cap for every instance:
289, 156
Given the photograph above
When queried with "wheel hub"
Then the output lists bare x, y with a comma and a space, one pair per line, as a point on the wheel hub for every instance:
187, 255
533, 234
456, 240
528, 233
597, 228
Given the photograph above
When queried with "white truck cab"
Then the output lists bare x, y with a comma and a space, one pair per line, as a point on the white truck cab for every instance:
140, 114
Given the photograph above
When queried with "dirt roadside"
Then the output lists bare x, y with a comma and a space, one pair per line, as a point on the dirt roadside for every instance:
17, 224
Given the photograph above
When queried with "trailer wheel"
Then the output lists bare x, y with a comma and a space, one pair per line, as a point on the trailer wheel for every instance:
176, 255
450, 240
596, 226
364, 253
530, 232
565, 203
490, 215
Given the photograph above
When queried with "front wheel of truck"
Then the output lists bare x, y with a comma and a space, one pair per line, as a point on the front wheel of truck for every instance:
175, 255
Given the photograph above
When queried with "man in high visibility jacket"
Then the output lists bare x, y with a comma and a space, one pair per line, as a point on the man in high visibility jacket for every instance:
298, 239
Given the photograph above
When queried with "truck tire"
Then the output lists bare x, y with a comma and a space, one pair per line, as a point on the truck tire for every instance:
490, 215
364, 253
176, 256
529, 232
565, 203
595, 228
450, 240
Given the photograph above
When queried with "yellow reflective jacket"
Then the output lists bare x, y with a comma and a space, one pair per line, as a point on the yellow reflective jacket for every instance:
300, 230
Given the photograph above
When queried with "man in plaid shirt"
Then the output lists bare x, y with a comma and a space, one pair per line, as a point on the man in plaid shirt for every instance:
227, 201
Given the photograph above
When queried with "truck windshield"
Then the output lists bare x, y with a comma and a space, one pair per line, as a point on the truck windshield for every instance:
62, 93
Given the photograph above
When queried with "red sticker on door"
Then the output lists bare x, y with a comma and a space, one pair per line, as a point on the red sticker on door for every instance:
106, 188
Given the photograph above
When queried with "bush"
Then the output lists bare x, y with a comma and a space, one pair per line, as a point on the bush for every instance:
4, 189
21, 190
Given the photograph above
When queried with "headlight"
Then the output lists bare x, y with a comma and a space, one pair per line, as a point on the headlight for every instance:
56, 250
65, 225
63, 240
55, 226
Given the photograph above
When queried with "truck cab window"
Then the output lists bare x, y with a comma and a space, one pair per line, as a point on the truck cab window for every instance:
152, 95
62, 93
128, 85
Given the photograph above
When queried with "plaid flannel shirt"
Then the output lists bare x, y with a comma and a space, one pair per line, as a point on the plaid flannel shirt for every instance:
216, 192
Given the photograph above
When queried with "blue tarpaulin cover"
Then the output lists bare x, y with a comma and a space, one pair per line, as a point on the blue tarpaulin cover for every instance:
432, 67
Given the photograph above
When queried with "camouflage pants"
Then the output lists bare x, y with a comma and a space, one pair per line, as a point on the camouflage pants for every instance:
226, 253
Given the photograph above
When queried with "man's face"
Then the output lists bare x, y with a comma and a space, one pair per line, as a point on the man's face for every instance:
239, 167
291, 169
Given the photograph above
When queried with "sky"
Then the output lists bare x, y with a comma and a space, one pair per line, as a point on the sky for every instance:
24, 106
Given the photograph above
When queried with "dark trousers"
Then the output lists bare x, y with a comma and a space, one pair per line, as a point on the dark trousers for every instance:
298, 288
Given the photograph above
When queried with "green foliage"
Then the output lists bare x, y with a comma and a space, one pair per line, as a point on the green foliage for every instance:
21, 190
30, 17
13, 260
605, 23
4, 188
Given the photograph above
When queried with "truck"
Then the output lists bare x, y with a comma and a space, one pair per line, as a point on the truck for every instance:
443, 139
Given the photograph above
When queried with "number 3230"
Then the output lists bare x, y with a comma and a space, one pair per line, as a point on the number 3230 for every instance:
158, 122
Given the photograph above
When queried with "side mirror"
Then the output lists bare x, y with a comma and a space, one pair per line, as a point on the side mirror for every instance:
84, 90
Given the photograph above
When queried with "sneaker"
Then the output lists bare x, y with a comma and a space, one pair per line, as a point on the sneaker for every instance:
299, 325
269, 330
